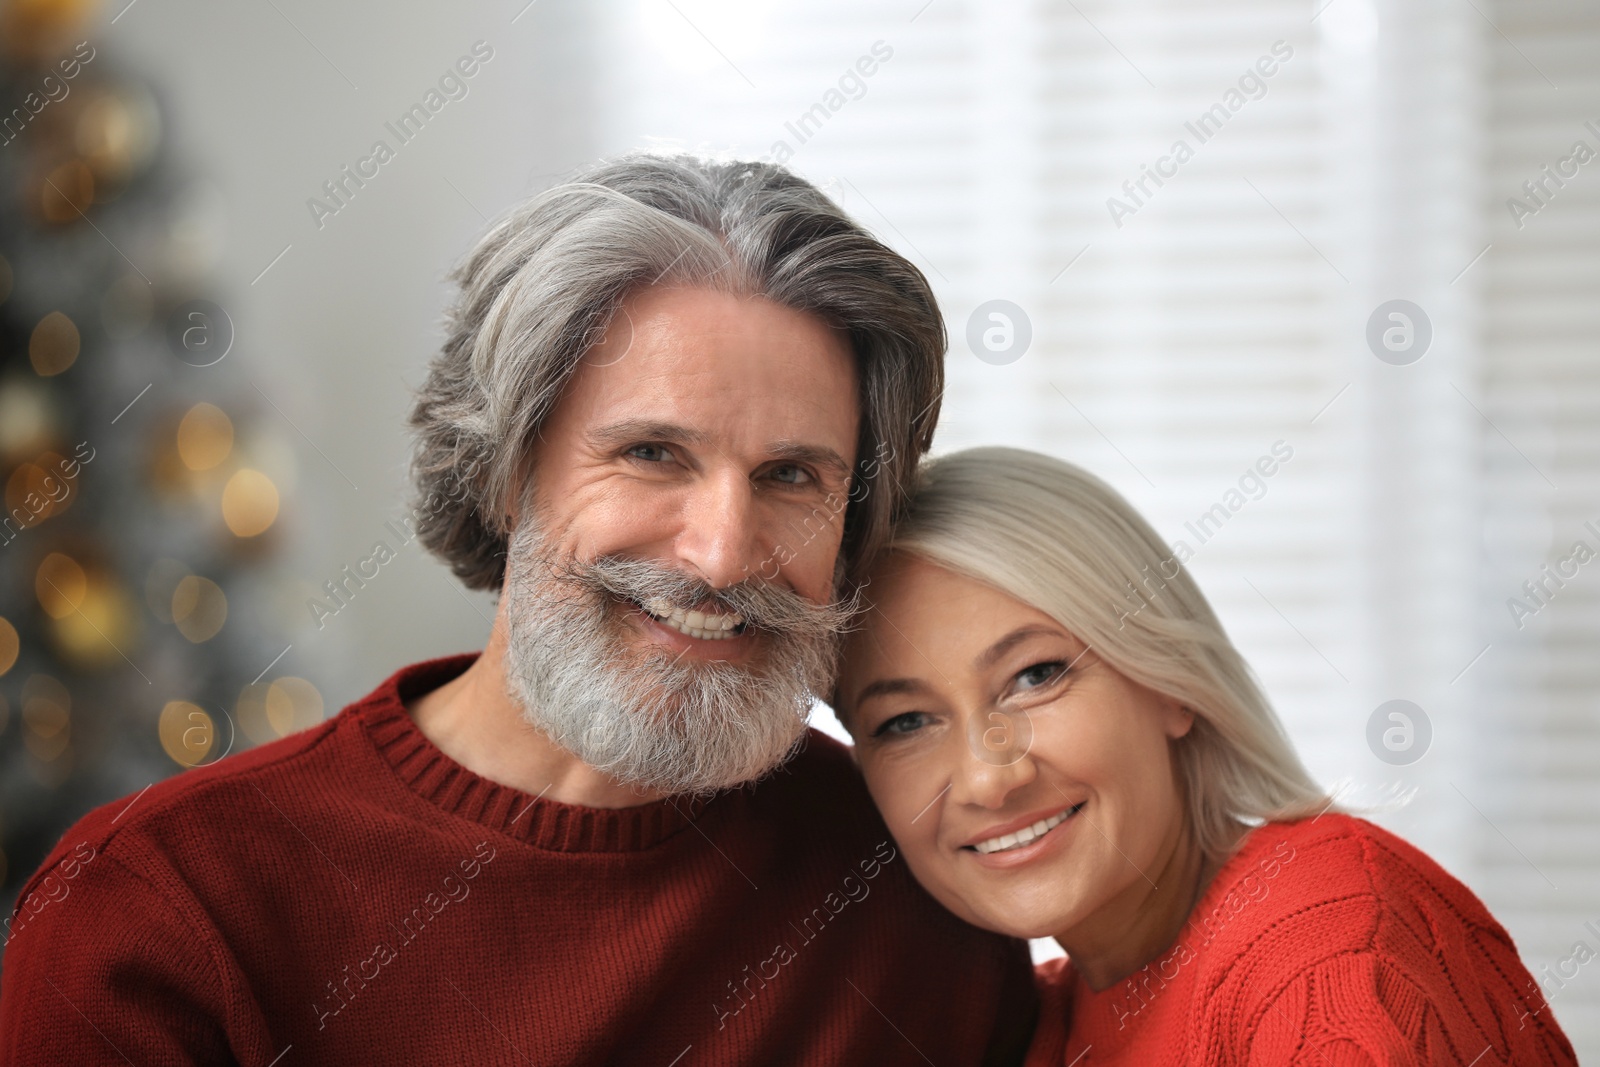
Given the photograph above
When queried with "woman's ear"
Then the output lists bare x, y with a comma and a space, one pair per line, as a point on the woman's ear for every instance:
1179, 720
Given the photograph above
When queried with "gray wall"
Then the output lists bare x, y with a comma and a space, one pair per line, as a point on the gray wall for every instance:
268, 101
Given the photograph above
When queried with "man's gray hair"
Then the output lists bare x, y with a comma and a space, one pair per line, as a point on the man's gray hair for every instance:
541, 286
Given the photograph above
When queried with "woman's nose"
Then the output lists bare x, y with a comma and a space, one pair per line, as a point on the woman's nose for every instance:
996, 759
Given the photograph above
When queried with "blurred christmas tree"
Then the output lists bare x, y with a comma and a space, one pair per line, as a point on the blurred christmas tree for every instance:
143, 495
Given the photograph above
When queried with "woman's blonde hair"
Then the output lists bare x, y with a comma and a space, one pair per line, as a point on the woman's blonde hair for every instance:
1060, 540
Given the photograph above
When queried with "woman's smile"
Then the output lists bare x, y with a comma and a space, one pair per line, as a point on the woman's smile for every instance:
1023, 841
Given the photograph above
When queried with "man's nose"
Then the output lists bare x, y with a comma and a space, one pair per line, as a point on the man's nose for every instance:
718, 538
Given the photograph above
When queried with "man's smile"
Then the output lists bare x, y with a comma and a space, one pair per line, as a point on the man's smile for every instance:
702, 625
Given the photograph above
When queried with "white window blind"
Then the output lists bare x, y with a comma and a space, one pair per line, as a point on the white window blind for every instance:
1190, 326
1539, 757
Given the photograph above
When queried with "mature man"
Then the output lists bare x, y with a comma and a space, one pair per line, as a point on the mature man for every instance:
675, 414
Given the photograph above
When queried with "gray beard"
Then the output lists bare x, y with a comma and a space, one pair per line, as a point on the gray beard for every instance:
644, 717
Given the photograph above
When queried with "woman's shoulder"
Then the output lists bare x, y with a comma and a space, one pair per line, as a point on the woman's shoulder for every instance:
1364, 931
1338, 859
1336, 884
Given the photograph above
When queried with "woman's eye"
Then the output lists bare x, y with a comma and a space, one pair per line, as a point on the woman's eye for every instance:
1040, 674
899, 725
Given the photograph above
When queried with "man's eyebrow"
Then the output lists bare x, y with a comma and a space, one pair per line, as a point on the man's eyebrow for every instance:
634, 431
1012, 640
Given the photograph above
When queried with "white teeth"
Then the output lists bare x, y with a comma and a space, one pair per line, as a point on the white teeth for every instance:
1026, 834
700, 625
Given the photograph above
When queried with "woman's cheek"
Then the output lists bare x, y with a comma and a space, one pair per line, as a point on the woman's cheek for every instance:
893, 787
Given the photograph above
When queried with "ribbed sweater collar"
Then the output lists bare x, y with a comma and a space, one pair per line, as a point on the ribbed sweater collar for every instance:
545, 824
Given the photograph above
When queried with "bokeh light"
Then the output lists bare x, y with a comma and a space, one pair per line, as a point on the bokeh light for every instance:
250, 710
28, 416
60, 585
67, 192
249, 503
205, 437
54, 345
101, 624
160, 583
292, 704
187, 732
199, 607
46, 717
10, 646
39, 489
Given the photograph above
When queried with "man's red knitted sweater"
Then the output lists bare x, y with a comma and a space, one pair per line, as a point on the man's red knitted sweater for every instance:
351, 895
1322, 943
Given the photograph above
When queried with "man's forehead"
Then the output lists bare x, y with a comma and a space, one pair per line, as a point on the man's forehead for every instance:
704, 365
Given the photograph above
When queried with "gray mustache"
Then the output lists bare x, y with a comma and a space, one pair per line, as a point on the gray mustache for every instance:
762, 605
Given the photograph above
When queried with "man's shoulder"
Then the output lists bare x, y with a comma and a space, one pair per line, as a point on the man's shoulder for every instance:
190, 811
817, 801
822, 774
196, 796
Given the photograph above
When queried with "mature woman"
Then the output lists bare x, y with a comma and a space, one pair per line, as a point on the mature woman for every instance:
1064, 743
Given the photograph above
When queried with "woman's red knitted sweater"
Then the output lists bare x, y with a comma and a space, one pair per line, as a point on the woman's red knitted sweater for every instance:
1327, 942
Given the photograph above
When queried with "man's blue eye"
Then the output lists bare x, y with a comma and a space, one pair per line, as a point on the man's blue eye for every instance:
790, 475
651, 453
